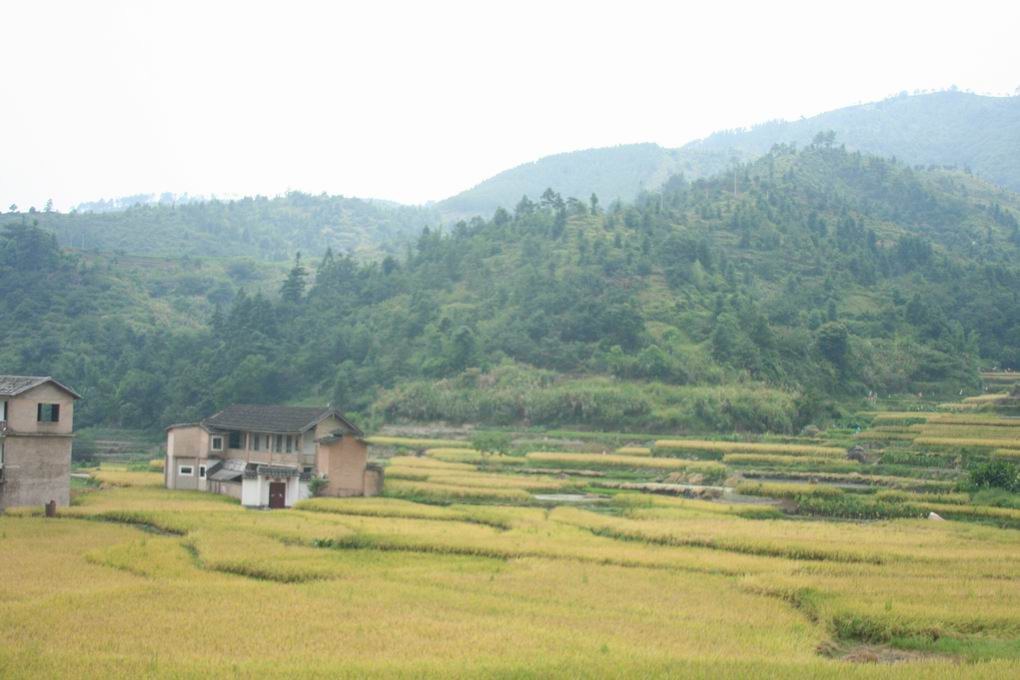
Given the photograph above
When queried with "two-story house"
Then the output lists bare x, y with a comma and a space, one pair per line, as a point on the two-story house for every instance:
265, 455
36, 430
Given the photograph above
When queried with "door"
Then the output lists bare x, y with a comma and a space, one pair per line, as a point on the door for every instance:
277, 495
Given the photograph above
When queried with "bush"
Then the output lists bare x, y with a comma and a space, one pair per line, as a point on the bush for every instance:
996, 474
317, 484
491, 442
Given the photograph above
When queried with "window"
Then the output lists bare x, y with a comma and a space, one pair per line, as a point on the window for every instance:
186, 470
49, 413
279, 443
290, 443
235, 440
217, 443
307, 469
255, 439
201, 472
3, 410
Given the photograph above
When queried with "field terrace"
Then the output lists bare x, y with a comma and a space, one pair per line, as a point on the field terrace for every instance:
582, 559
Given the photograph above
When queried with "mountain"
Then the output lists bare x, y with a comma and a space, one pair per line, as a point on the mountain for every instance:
618, 172
259, 227
958, 129
760, 299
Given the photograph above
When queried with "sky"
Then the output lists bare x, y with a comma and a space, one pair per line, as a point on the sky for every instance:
416, 101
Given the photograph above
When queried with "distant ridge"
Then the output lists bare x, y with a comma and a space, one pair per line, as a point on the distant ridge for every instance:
968, 131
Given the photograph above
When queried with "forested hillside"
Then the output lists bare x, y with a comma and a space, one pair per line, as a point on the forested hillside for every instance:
959, 129
260, 227
755, 300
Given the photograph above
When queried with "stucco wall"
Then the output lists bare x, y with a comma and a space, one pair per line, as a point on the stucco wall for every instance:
343, 462
37, 470
185, 482
23, 413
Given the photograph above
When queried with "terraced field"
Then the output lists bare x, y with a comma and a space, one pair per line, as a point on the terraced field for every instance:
728, 557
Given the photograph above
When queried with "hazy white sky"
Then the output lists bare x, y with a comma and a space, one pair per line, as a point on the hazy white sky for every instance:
415, 101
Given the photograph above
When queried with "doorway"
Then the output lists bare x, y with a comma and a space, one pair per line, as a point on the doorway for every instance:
277, 494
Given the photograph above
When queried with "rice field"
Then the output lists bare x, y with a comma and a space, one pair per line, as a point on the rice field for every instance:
672, 446
384, 586
798, 562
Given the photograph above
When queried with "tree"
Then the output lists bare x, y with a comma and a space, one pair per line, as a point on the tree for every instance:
594, 202
13, 208
49, 205
491, 442
833, 342
293, 288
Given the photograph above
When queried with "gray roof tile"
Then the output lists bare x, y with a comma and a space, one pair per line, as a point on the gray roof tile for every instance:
282, 419
13, 385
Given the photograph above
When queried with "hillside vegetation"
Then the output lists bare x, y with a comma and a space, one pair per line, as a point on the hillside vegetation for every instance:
758, 301
259, 227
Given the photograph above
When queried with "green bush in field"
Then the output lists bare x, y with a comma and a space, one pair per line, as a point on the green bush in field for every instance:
996, 474
492, 442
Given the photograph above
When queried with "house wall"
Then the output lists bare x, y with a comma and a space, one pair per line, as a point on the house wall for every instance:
37, 470
23, 414
185, 445
251, 493
232, 489
185, 482
343, 462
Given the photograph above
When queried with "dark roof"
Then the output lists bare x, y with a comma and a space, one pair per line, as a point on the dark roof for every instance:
13, 385
274, 418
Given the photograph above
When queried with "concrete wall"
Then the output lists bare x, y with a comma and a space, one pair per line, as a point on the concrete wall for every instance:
255, 492
37, 470
343, 462
185, 445
23, 413
185, 482
232, 489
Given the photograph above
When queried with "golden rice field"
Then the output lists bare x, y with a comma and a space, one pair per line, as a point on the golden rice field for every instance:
616, 461
136, 581
681, 445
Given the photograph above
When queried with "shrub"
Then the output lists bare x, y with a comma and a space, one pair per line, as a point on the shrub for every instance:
995, 474
317, 484
491, 442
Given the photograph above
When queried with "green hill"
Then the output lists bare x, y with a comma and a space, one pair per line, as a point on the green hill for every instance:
945, 129
755, 302
259, 227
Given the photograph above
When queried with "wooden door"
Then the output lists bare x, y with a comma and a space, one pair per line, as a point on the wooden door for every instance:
277, 495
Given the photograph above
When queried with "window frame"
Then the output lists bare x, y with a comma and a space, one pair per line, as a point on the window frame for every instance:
255, 437
181, 470
201, 471
212, 443
52, 410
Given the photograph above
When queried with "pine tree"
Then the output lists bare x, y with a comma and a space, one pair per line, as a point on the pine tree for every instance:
293, 288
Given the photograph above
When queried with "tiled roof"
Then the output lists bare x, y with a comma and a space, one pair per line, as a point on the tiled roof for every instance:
278, 419
13, 385
227, 470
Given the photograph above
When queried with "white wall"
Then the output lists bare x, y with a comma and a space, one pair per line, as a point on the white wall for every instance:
251, 492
